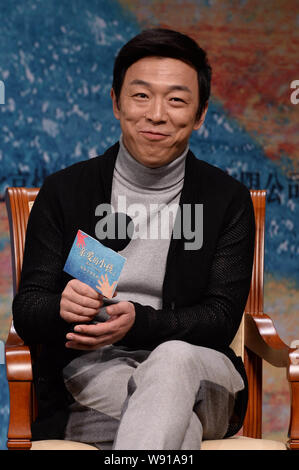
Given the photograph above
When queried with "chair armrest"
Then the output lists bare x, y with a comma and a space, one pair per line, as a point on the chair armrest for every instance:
262, 338
20, 377
18, 357
293, 378
18, 363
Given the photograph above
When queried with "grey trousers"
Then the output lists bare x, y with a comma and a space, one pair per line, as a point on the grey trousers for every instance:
170, 398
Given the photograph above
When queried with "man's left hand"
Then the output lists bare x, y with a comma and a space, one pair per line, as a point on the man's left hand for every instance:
90, 337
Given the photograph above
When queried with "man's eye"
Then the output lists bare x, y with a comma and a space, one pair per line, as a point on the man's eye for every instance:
177, 100
140, 95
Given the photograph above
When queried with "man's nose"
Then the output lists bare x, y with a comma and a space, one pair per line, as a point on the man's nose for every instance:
156, 111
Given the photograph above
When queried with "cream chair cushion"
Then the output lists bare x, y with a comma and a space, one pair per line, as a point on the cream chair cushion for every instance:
53, 444
243, 443
237, 344
233, 443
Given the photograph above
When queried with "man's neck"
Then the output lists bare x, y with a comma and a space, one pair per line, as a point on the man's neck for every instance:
152, 178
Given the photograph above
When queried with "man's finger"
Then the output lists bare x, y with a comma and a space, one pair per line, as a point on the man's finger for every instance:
83, 300
71, 317
105, 341
118, 309
97, 330
75, 341
77, 309
84, 289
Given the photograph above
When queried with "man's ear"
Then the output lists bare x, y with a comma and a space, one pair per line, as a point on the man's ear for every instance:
199, 122
115, 104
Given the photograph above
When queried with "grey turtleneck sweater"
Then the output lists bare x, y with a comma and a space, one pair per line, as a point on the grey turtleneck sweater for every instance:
149, 189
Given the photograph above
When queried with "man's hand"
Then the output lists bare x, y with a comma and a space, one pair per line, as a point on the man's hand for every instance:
90, 337
79, 302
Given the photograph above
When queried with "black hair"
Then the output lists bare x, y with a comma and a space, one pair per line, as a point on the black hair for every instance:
160, 42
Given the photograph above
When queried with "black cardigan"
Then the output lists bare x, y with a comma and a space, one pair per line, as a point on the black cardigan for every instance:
204, 290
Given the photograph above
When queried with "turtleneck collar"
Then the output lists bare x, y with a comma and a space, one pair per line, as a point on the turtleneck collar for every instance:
144, 177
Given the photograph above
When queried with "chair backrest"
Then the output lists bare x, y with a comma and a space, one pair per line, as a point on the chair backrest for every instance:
255, 301
19, 202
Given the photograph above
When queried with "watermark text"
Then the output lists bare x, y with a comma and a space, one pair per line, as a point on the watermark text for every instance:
1, 352
295, 94
154, 222
2, 92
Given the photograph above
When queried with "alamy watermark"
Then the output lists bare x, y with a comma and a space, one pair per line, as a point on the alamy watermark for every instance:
1, 352
2, 92
294, 357
295, 94
154, 222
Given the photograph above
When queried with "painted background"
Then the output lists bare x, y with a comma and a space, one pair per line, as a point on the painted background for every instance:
56, 61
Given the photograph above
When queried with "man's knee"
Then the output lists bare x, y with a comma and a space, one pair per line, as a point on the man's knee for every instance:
176, 352
167, 362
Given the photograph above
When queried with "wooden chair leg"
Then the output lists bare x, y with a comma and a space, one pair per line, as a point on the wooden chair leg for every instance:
293, 377
252, 426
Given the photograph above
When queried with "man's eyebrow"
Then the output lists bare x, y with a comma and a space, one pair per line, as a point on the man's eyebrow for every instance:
140, 82
170, 88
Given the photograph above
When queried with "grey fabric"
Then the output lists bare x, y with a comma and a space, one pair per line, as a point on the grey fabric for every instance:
142, 277
98, 382
169, 398
87, 425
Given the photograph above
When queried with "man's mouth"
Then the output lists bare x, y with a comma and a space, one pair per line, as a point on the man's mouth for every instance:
153, 135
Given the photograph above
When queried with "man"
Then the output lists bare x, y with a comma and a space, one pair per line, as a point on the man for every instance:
158, 373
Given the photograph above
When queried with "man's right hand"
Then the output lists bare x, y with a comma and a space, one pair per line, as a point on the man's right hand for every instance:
79, 302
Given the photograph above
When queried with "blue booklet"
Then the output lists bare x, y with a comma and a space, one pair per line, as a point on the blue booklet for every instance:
94, 264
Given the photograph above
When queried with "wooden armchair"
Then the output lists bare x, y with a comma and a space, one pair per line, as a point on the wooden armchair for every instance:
256, 340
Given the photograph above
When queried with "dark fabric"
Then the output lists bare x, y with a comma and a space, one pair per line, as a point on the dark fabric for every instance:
204, 291
87, 425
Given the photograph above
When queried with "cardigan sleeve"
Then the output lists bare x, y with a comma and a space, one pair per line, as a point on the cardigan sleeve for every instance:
214, 321
36, 306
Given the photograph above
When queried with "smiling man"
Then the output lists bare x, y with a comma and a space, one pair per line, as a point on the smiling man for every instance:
157, 109
153, 369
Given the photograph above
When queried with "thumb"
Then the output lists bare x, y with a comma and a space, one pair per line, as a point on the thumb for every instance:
118, 308
113, 309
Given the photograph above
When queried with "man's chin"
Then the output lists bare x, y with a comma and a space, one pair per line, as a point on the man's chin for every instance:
152, 161
151, 156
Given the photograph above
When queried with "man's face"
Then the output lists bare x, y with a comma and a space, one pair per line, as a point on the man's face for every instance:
157, 109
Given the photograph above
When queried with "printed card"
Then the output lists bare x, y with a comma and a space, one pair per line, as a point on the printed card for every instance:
94, 264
